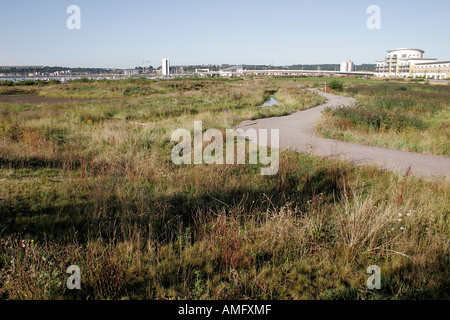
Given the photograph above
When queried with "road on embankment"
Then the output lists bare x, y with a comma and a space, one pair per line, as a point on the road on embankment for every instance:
297, 133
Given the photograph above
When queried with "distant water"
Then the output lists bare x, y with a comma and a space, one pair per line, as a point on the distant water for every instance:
12, 79
18, 79
61, 79
271, 102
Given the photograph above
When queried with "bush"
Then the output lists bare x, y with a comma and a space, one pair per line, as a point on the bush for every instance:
54, 81
81, 80
27, 83
336, 85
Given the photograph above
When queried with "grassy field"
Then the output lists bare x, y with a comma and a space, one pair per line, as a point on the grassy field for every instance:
83, 184
406, 116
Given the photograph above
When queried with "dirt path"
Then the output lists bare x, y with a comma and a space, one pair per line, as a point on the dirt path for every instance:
297, 133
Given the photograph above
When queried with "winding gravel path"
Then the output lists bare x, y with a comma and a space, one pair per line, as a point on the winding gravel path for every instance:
297, 133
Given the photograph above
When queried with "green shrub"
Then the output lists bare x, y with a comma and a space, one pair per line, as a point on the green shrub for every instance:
53, 81
82, 80
378, 118
27, 83
336, 85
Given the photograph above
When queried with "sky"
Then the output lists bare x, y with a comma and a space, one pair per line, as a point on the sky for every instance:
120, 34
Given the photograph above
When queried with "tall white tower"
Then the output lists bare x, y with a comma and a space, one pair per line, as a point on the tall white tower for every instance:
350, 66
165, 67
347, 66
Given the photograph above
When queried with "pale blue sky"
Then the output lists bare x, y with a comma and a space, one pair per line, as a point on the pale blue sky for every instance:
279, 32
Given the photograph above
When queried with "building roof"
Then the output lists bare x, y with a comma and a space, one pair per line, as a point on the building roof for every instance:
233, 68
400, 49
437, 62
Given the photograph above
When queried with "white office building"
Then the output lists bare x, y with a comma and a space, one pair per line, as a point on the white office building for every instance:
165, 67
401, 63
438, 70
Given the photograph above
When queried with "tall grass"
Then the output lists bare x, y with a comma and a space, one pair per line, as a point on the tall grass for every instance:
411, 117
82, 184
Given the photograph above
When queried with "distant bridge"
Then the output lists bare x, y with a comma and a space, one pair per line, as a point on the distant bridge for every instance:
275, 72
305, 72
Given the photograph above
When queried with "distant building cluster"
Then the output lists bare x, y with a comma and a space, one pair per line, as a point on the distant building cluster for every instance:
131, 72
410, 63
22, 67
26, 73
406, 63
